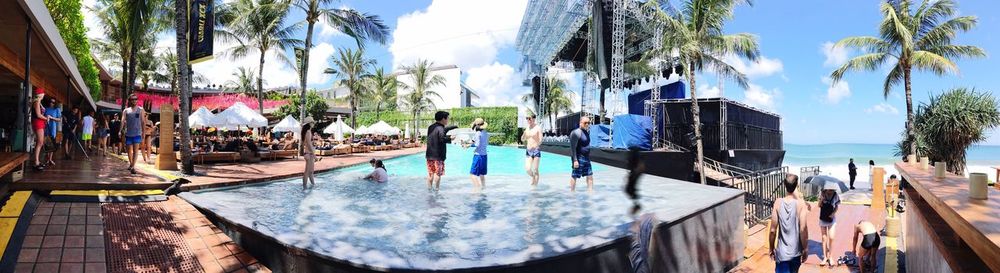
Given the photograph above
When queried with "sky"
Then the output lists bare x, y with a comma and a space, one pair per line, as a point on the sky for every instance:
790, 78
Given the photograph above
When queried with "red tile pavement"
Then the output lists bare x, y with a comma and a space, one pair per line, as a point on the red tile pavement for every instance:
57, 240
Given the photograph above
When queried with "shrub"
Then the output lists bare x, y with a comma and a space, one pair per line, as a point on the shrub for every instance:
69, 20
502, 121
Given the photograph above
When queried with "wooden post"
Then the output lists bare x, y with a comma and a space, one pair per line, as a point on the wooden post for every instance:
878, 194
165, 158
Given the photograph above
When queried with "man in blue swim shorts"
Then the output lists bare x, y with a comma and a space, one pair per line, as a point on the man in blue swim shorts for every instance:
532, 138
579, 149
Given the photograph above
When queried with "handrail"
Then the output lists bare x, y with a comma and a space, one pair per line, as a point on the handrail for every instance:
762, 188
728, 170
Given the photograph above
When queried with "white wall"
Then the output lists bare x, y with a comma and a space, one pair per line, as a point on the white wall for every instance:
450, 91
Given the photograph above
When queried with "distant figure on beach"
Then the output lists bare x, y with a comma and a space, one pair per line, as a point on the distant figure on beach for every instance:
852, 170
437, 139
579, 150
829, 202
870, 241
788, 227
378, 173
871, 170
481, 142
307, 153
532, 138
133, 120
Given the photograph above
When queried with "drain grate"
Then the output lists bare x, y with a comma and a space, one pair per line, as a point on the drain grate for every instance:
142, 238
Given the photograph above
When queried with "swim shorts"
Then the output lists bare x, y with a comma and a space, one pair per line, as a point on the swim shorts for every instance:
533, 152
583, 169
133, 140
478, 165
435, 167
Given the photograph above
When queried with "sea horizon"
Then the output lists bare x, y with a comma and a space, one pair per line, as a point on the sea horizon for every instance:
832, 158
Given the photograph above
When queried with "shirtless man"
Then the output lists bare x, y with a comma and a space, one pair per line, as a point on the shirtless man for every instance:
870, 241
532, 138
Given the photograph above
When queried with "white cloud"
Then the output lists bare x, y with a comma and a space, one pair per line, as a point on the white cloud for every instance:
706, 91
325, 30
882, 108
496, 84
319, 57
276, 73
90, 19
836, 91
763, 67
835, 56
760, 97
461, 32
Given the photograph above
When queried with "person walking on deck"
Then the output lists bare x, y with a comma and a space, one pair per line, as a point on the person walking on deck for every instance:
88, 131
70, 122
579, 149
437, 139
133, 120
479, 166
829, 203
788, 227
852, 171
532, 138
307, 153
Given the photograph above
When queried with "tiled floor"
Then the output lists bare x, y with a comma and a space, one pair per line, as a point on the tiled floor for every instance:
64, 237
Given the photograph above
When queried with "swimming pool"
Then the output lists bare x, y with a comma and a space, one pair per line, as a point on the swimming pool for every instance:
403, 225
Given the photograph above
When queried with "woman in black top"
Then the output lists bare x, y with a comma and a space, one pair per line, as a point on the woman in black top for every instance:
829, 202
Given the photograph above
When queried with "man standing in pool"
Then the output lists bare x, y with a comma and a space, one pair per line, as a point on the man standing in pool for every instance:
579, 150
532, 138
437, 139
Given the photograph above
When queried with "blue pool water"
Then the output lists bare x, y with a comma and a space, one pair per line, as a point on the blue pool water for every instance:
401, 224
501, 161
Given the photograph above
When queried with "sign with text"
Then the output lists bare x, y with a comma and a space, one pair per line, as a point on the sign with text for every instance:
201, 25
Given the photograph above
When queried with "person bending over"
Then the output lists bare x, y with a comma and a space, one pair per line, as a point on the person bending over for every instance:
870, 241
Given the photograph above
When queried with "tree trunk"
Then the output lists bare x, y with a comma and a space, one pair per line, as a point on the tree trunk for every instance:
378, 106
130, 84
122, 91
910, 135
304, 71
695, 113
183, 80
354, 109
260, 83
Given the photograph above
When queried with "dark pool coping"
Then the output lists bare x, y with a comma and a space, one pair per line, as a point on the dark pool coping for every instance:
617, 234
13, 250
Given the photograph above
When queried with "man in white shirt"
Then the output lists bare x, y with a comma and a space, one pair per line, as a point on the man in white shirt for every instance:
88, 130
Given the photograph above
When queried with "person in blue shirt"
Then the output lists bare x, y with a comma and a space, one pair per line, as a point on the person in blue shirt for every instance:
579, 149
481, 141
52, 110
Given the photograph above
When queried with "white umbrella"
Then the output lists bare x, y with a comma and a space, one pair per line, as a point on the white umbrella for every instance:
407, 134
288, 124
380, 128
339, 124
201, 118
239, 115
361, 130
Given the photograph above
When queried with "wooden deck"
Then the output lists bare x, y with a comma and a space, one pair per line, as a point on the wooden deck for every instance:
103, 172
847, 217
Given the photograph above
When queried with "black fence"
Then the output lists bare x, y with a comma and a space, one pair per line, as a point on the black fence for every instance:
737, 136
762, 188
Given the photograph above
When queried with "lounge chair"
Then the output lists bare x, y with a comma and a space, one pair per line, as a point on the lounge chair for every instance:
212, 157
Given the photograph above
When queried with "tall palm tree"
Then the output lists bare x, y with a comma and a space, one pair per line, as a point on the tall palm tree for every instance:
557, 99
381, 89
245, 79
696, 33
259, 27
348, 21
142, 20
910, 38
423, 81
351, 66
183, 81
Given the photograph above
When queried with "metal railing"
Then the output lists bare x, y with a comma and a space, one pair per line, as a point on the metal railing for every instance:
761, 188
805, 172
726, 169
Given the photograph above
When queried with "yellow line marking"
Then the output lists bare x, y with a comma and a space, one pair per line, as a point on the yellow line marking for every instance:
6, 230
891, 255
15, 204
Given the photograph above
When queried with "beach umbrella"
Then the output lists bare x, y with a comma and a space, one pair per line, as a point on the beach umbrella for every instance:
361, 130
338, 124
381, 128
201, 118
288, 124
827, 182
239, 115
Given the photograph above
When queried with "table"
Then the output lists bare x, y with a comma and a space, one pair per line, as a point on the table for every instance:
976, 222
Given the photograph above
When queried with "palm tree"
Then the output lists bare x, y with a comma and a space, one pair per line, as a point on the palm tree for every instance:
557, 98
909, 39
259, 26
696, 33
351, 66
381, 89
953, 121
245, 79
348, 21
423, 80
183, 79
141, 21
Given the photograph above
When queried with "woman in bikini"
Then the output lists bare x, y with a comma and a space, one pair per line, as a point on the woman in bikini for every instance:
38, 124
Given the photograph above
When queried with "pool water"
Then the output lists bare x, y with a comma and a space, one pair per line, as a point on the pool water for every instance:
402, 224
500, 161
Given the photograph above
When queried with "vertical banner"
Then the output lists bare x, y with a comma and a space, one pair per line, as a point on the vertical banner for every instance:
201, 25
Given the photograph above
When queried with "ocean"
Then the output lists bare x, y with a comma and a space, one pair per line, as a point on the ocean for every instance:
833, 158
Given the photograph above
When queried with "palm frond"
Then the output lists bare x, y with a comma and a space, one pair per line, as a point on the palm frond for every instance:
866, 62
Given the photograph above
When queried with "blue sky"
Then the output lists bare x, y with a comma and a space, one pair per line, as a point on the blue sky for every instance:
789, 79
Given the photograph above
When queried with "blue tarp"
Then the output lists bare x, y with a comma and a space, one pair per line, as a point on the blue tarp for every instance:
632, 132
600, 136
636, 101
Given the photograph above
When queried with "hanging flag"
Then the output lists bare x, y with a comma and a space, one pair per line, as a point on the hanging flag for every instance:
201, 26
